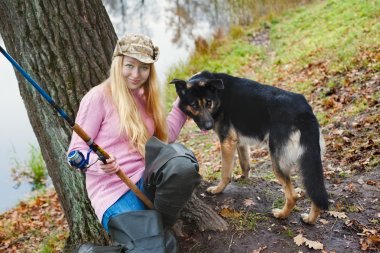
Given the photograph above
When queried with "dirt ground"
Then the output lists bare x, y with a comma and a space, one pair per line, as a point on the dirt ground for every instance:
252, 228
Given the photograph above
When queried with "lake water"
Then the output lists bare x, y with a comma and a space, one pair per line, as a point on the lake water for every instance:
173, 26
16, 135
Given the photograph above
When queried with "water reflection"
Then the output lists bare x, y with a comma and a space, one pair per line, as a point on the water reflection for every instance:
181, 21
16, 135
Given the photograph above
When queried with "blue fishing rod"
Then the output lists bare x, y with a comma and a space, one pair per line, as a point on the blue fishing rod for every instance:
76, 158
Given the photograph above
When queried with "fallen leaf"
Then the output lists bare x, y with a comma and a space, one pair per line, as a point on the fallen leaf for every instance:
373, 239
371, 231
339, 215
299, 239
259, 249
230, 213
313, 244
249, 202
371, 182
323, 221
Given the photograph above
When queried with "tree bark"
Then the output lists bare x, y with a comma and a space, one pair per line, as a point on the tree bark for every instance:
198, 213
66, 46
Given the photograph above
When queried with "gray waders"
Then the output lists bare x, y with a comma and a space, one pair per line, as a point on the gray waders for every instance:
171, 174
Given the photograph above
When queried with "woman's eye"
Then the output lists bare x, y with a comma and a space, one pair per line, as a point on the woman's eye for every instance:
208, 103
145, 67
130, 66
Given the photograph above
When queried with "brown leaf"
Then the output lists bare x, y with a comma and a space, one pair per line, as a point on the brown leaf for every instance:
299, 239
339, 215
371, 182
313, 244
249, 202
373, 239
230, 213
259, 249
323, 221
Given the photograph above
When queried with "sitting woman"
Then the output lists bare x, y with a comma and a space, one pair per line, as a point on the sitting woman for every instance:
121, 115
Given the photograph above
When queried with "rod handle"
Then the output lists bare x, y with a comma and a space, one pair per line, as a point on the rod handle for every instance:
82, 134
136, 190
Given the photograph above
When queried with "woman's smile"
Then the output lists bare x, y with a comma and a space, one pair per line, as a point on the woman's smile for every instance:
134, 81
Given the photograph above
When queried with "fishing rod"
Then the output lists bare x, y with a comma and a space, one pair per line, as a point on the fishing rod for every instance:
77, 158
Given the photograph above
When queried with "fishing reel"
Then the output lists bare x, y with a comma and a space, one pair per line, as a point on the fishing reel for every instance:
77, 160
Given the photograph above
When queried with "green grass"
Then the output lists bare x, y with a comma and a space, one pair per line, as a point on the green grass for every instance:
32, 170
288, 232
323, 118
248, 221
269, 176
357, 107
332, 30
53, 242
344, 174
278, 203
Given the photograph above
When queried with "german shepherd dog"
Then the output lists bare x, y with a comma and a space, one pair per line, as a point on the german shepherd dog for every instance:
243, 112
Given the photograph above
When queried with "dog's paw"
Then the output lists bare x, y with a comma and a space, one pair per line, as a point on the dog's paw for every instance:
213, 190
307, 219
240, 177
279, 213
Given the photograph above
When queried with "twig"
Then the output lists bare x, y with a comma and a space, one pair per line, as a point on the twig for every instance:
232, 237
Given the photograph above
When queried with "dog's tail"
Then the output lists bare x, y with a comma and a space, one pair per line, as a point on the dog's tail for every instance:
310, 162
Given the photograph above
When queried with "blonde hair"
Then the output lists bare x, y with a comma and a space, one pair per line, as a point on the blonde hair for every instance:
131, 122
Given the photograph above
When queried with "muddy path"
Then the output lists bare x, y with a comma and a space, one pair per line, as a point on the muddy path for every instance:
252, 228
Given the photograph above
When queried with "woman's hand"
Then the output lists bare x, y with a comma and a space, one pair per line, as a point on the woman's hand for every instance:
111, 167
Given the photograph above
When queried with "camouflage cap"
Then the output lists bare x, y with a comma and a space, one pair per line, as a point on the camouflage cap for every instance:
137, 46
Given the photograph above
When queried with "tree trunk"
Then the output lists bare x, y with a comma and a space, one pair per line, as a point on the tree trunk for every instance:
66, 46
200, 214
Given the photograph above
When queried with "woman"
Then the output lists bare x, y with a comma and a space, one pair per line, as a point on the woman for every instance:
121, 114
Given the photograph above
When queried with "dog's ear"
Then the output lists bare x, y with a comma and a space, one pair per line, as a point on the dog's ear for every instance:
179, 83
216, 83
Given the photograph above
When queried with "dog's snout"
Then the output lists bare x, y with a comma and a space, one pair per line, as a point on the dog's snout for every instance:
208, 125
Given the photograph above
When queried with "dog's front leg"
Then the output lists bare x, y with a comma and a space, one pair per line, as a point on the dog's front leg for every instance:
243, 152
228, 147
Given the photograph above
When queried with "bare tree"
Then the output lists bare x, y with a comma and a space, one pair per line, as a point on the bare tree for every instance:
66, 46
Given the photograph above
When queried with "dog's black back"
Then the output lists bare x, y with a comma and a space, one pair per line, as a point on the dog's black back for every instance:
254, 109
257, 111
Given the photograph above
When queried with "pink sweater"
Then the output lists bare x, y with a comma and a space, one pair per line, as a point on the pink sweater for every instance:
100, 120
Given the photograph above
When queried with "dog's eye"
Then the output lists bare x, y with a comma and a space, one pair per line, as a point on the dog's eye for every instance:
194, 105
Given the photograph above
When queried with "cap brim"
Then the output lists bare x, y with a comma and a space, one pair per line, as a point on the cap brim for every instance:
140, 57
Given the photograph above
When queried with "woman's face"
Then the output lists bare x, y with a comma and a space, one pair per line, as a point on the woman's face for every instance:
135, 72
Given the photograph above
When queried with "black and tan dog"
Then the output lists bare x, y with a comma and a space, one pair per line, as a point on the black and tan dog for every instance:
244, 112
